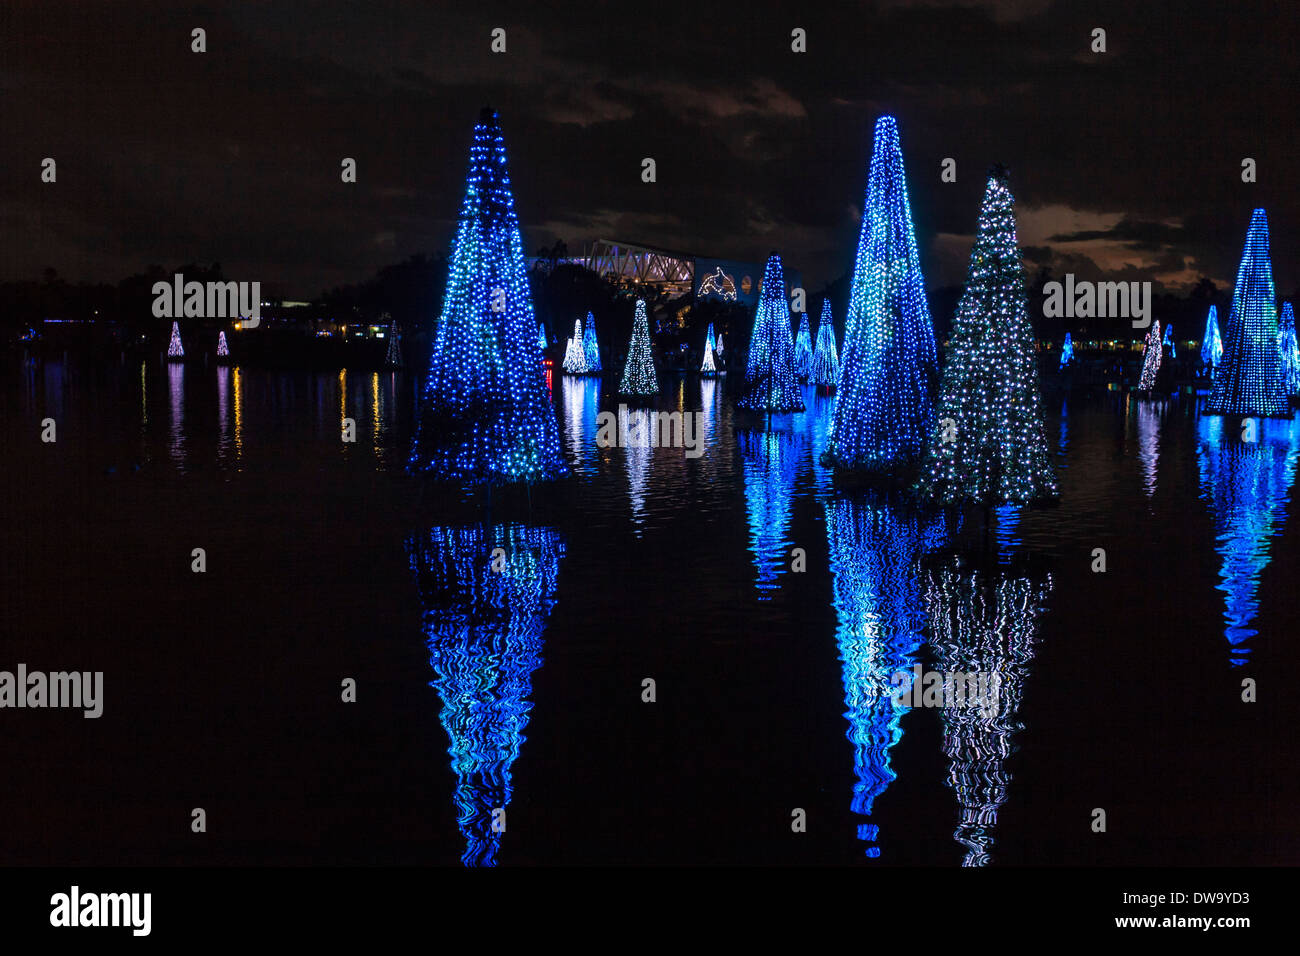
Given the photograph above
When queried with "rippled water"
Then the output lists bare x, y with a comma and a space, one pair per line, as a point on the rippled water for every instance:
501, 644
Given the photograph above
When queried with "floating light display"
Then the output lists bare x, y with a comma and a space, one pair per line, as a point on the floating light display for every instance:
575, 354
175, 350
769, 375
1249, 382
590, 346
826, 357
1287, 348
1212, 344
990, 445
885, 410
485, 412
1151, 358
803, 350
639, 376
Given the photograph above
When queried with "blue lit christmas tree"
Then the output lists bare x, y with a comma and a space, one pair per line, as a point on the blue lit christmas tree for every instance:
1250, 380
803, 350
1067, 351
541, 337
1212, 344
485, 593
885, 411
1169, 340
639, 376
1286, 346
485, 410
590, 347
990, 445
826, 357
1150, 358
575, 355
770, 384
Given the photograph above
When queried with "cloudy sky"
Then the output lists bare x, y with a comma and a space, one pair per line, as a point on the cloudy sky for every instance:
1126, 165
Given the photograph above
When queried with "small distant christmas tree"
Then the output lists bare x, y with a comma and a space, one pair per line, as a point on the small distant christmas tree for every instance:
575, 358
1212, 344
541, 337
174, 349
394, 357
1169, 340
223, 350
1151, 358
1067, 351
1286, 344
885, 410
826, 357
803, 350
639, 376
710, 366
485, 412
590, 347
1250, 381
769, 377
990, 445
718, 351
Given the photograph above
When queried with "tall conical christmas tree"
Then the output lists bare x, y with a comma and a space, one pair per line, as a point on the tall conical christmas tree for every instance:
394, 357
1151, 358
1286, 346
990, 446
591, 347
575, 356
1250, 381
223, 350
174, 348
709, 366
769, 376
1212, 344
485, 410
639, 376
885, 410
803, 350
1169, 340
826, 357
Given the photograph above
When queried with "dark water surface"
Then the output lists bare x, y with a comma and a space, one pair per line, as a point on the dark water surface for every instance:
522, 688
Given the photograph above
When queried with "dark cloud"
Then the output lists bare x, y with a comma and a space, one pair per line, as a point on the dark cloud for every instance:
168, 156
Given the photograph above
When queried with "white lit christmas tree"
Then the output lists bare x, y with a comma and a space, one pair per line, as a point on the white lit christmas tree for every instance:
174, 349
575, 358
639, 376
990, 445
1151, 358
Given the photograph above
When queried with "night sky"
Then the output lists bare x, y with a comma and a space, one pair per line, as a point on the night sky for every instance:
1125, 165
